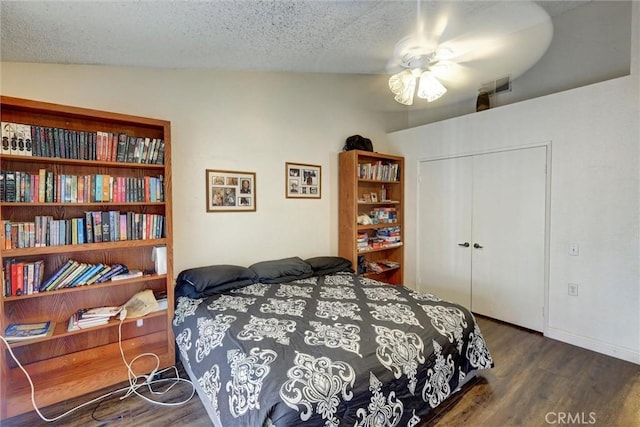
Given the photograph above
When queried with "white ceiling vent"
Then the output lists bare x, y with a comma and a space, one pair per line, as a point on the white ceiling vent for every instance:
502, 84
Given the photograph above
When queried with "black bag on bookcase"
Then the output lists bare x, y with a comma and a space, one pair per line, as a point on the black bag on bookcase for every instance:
358, 142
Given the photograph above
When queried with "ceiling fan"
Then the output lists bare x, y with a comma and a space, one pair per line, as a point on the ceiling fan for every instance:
478, 40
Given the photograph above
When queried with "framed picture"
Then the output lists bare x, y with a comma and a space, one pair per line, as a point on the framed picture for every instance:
374, 197
302, 181
230, 191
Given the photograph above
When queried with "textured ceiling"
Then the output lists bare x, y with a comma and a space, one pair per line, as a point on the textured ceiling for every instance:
493, 39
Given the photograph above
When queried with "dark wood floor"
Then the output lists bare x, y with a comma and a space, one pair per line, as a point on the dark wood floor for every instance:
536, 382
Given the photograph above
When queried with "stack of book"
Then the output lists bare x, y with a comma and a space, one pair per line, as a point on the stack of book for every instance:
363, 241
161, 297
90, 317
389, 234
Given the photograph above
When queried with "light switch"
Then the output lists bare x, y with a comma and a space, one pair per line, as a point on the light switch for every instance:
574, 249
573, 289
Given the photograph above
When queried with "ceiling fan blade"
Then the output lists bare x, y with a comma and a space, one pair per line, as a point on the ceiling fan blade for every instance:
452, 74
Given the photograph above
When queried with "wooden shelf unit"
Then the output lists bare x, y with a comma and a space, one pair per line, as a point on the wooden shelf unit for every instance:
70, 364
351, 205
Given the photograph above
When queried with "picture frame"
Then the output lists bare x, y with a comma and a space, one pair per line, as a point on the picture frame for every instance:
302, 181
374, 197
230, 191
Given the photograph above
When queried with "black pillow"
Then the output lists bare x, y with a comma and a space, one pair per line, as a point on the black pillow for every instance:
216, 278
281, 270
322, 265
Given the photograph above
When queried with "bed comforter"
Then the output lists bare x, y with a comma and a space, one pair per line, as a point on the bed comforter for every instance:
331, 350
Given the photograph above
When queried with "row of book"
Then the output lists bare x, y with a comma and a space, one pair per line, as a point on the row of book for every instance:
27, 278
95, 227
48, 187
42, 141
379, 171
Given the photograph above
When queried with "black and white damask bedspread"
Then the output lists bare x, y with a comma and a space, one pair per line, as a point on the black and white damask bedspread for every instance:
336, 350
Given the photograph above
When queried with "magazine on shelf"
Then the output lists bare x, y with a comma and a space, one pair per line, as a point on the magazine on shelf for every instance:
25, 331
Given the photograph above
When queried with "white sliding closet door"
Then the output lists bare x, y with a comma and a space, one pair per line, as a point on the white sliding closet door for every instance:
497, 202
509, 192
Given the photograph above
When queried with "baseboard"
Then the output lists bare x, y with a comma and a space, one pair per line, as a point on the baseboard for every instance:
593, 345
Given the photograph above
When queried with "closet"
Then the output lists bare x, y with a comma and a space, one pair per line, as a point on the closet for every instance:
481, 233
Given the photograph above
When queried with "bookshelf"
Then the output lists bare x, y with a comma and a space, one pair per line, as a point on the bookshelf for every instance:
70, 364
372, 185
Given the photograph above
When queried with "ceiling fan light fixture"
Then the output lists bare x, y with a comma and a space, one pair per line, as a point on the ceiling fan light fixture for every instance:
430, 88
403, 85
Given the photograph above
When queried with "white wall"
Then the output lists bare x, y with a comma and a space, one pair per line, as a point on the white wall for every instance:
236, 121
594, 133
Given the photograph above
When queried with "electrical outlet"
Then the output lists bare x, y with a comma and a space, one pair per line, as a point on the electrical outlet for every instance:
573, 289
140, 322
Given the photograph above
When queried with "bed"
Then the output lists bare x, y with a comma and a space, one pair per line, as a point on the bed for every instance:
289, 341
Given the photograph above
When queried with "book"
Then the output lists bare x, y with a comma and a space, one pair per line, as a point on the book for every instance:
26, 135
160, 158
8, 291
24, 331
88, 224
60, 279
13, 138
97, 226
106, 226
121, 153
131, 148
77, 271
6, 137
115, 270
2, 174
10, 188
100, 312
47, 283
98, 274
86, 275
128, 275
17, 278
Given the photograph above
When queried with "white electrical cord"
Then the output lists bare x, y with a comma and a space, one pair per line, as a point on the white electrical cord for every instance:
133, 381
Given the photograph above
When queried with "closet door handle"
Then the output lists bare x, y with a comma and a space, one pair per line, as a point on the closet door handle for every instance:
465, 244
477, 246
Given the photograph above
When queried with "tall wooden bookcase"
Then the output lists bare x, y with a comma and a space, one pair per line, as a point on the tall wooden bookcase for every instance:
372, 185
69, 364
